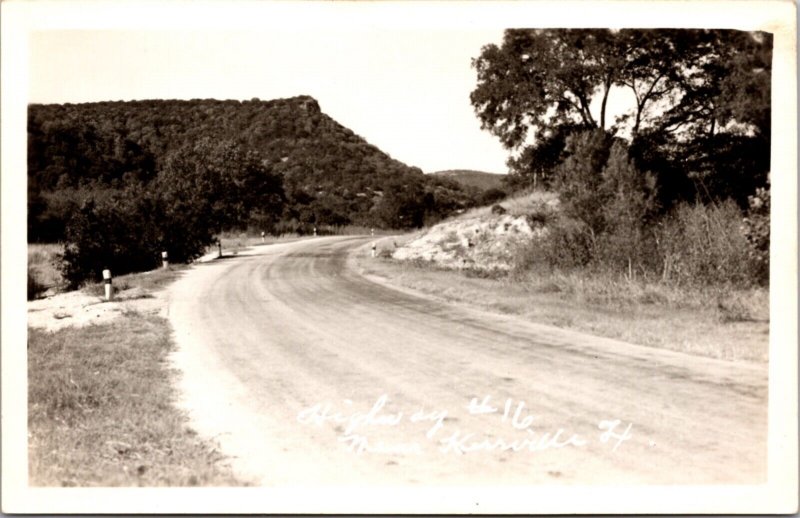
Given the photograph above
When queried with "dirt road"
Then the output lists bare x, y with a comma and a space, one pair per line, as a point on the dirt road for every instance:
308, 373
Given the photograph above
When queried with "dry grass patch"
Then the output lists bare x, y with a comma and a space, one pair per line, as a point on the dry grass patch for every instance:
44, 273
522, 204
724, 324
101, 410
141, 282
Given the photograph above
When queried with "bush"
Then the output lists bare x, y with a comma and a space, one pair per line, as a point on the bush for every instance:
705, 245
202, 190
579, 178
567, 244
35, 288
756, 231
120, 233
491, 196
541, 216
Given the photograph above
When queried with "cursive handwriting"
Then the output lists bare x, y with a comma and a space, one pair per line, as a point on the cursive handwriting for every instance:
359, 444
522, 433
461, 443
321, 414
610, 434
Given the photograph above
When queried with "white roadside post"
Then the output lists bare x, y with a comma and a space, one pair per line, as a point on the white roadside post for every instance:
164, 260
315, 231
107, 282
372, 232
374, 248
263, 237
219, 246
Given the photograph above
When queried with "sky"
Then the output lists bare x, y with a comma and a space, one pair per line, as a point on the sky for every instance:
405, 90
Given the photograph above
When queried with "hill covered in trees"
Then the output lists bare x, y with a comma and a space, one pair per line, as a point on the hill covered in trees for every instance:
118, 181
330, 176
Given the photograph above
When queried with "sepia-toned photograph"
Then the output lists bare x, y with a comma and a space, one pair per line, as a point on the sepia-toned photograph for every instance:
366, 257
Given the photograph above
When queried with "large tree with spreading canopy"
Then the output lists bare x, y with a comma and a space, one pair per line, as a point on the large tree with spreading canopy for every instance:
700, 98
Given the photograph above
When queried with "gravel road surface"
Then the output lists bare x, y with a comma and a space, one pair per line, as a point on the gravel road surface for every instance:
306, 372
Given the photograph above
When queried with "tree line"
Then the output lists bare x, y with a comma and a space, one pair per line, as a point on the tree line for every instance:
119, 181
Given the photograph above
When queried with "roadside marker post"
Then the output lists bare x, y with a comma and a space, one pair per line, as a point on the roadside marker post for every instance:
219, 246
372, 232
263, 237
107, 282
164, 260
315, 231
374, 247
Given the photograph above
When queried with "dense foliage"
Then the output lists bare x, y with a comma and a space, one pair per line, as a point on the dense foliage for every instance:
122, 181
201, 189
699, 122
662, 189
330, 176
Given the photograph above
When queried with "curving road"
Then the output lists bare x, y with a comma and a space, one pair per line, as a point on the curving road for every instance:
307, 372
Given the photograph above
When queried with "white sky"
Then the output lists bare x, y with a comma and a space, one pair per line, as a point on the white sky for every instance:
404, 90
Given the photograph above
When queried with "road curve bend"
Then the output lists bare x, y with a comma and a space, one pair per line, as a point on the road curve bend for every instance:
308, 373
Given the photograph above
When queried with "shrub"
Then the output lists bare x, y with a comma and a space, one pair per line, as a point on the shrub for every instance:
628, 204
579, 178
491, 196
701, 244
541, 216
120, 233
201, 190
756, 231
567, 244
35, 288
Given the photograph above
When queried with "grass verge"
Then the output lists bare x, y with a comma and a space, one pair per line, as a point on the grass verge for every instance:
101, 410
101, 406
153, 280
724, 324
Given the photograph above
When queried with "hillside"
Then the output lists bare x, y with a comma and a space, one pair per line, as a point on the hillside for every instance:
483, 239
330, 175
479, 179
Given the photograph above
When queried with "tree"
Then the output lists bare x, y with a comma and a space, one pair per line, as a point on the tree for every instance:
579, 179
402, 205
699, 97
535, 165
628, 204
116, 230
540, 79
95, 146
206, 188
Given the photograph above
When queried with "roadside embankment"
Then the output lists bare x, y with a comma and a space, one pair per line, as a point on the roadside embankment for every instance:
438, 262
101, 393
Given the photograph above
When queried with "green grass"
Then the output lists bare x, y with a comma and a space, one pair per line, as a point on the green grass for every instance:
101, 411
719, 323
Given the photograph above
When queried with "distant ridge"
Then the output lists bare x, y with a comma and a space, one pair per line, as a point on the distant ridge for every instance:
469, 178
330, 175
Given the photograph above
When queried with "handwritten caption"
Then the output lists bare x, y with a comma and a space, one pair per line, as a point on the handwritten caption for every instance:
508, 426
